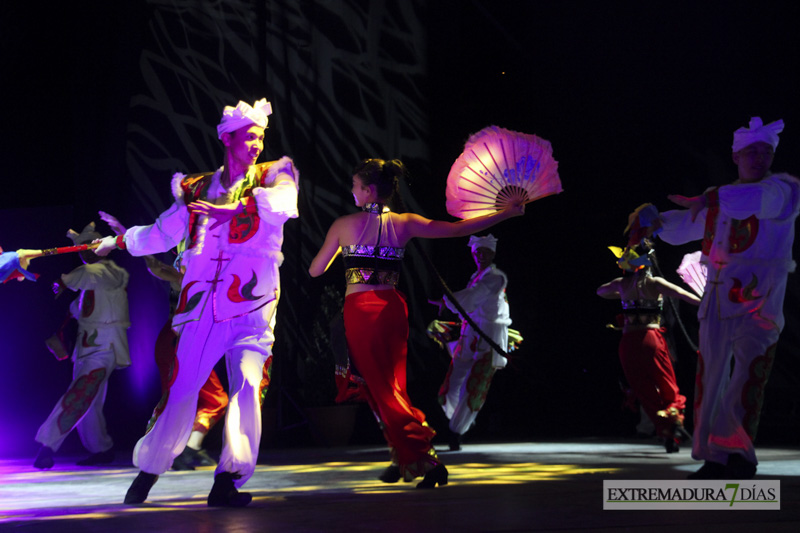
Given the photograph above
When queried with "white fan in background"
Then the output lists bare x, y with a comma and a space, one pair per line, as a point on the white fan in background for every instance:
693, 272
499, 167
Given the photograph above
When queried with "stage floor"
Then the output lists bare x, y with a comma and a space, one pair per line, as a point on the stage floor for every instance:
511, 487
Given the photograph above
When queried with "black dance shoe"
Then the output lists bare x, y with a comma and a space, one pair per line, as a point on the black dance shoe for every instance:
184, 461
140, 488
44, 460
671, 445
102, 458
436, 476
740, 468
391, 474
189, 458
201, 458
224, 493
710, 470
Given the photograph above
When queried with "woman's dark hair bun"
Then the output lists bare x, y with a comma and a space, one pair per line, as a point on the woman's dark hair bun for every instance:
385, 175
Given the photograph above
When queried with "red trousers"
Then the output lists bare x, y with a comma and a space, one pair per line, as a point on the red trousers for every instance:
376, 326
648, 368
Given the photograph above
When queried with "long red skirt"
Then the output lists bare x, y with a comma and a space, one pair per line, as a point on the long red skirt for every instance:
648, 368
376, 326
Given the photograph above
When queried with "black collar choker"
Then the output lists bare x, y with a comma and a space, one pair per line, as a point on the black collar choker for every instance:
375, 209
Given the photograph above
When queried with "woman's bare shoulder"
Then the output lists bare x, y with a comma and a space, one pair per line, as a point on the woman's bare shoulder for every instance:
408, 218
346, 227
351, 219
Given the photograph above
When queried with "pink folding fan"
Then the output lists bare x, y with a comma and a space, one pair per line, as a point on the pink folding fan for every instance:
499, 167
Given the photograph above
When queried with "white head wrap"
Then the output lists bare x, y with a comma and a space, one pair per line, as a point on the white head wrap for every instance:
243, 115
87, 235
757, 132
487, 241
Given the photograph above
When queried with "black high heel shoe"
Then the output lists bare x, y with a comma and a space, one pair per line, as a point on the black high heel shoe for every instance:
436, 476
391, 474
679, 436
671, 444
682, 435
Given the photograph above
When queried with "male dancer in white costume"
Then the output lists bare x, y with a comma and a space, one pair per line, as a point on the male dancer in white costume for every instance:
231, 222
474, 362
747, 230
101, 309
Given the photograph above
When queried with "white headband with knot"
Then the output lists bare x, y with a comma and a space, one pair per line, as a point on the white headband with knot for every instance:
88, 234
757, 132
487, 241
243, 115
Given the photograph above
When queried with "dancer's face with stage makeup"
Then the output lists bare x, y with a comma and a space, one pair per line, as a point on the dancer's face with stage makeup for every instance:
88, 256
483, 257
363, 194
243, 146
754, 161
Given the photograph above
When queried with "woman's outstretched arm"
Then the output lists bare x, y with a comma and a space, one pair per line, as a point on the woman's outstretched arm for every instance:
671, 290
418, 226
330, 249
609, 290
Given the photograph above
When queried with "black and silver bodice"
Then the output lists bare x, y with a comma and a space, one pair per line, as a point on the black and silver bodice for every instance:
642, 312
372, 265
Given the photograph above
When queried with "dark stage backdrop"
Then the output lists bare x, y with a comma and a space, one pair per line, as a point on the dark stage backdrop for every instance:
106, 100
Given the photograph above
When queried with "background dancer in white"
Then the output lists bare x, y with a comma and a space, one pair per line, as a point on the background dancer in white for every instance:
474, 362
101, 347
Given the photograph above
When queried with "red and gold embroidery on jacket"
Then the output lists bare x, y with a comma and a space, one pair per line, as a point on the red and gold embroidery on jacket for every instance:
243, 226
186, 303
741, 293
245, 294
742, 233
